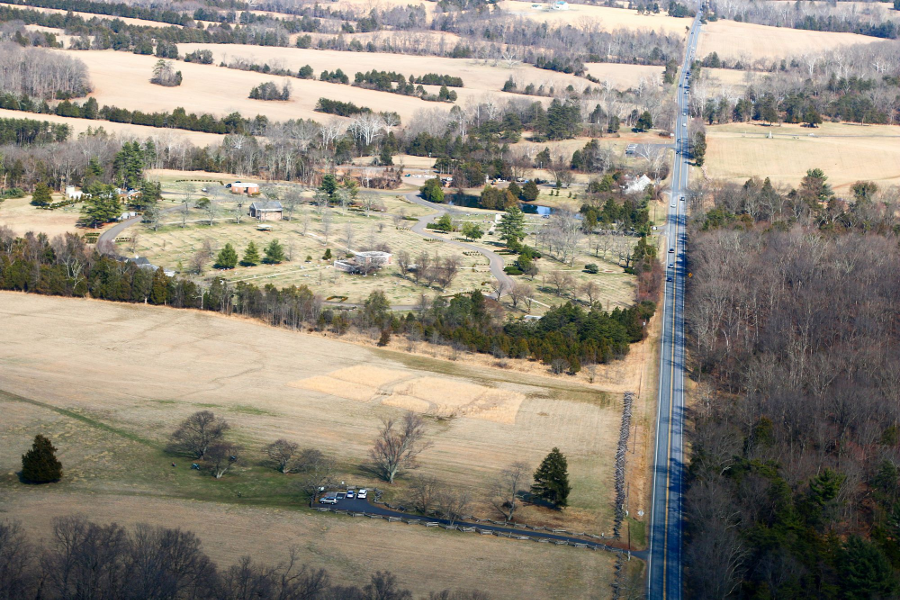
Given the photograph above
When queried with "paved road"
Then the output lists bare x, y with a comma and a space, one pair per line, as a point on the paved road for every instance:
665, 552
495, 259
113, 232
364, 506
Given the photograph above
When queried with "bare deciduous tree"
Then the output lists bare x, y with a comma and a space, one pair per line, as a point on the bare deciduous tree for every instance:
398, 444
519, 292
316, 472
424, 491
513, 480
282, 453
220, 456
196, 433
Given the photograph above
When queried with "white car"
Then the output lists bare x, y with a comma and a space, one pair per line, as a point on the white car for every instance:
361, 494
672, 205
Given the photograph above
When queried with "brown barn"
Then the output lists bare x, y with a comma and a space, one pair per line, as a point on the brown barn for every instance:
243, 188
267, 211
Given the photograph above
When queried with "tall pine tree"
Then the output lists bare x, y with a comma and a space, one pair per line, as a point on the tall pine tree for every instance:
227, 258
251, 256
551, 480
274, 253
41, 195
39, 465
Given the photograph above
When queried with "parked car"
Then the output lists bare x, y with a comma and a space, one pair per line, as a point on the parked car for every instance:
329, 499
350, 494
362, 494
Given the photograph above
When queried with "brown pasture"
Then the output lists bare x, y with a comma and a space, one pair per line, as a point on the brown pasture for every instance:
136, 371
749, 42
846, 153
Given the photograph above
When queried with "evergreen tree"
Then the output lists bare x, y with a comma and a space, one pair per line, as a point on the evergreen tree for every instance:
227, 258
432, 191
129, 165
274, 253
327, 255
864, 571
102, 207
151, 193
551, 480
698, 150
41, 195
530, 191
159, 289
39, 465
644, 122
251, 256
512, 226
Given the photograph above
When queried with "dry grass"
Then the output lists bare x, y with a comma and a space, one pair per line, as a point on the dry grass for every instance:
748, 41
137, 371
435, 396
123, 79
847, 153
624, 76
600, 17
424, 560
21, 217
480, 78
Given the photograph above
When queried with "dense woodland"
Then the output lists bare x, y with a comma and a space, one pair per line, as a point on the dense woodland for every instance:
83, 559
795, 468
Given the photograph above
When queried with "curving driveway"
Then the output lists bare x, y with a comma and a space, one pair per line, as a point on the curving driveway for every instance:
496, 261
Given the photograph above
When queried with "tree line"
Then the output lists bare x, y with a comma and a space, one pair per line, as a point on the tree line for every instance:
25, 132
84, 559
41, 74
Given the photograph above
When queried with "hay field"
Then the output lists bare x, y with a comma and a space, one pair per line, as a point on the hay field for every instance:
599, 17
136, 371
749, 42
123, 79
847, 153
21, 217
479, 78
624, 76
126, 130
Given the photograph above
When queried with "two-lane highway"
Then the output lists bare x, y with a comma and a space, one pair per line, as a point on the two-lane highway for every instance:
664, 563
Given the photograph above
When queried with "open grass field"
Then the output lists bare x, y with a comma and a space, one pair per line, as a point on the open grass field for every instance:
598, 17
123, 79
21, 217
847, 153
479, 78
112, 381
624, 76
749, 42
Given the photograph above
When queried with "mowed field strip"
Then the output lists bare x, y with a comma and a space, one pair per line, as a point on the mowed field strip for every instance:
141, 370
846, 153
749, 42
